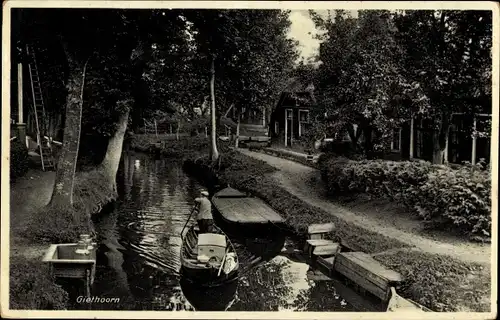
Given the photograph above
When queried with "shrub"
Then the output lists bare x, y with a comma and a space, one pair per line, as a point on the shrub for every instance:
393, 179
19, 161
32, 287
459, 199
443, 196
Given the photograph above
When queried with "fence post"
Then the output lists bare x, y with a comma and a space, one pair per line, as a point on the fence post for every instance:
474, 141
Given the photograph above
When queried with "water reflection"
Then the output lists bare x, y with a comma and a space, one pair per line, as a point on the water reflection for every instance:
139, 253
282, 284
204, 298
139, 247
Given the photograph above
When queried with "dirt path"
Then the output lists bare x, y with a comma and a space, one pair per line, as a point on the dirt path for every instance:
294, 178
27, 195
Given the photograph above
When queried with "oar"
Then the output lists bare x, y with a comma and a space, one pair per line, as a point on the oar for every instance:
192, 211
222, 263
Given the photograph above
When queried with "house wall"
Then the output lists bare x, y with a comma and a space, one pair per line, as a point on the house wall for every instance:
279, 118
459, 141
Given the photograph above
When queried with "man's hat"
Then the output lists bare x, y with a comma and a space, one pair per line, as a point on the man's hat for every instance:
204, 193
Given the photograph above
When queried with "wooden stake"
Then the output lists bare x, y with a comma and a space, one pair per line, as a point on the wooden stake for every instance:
20, 92
411, 136
474, 142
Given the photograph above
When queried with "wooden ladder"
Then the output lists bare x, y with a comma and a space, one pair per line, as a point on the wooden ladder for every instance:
46, 155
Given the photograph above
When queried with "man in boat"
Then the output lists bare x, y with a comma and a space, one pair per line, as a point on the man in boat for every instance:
204, 217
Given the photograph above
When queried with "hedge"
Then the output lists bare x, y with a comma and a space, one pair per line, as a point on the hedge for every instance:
442, 196
19, 161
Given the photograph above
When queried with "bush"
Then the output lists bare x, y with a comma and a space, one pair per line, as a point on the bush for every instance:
457, 198
19, 161
393, 179
442, 196
32, 287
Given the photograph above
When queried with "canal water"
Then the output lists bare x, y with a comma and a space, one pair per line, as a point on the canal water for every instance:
138, 254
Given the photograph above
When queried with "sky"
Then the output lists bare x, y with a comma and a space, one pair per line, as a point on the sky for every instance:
303, 30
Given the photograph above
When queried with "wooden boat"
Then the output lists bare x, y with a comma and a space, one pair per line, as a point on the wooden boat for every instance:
246, 215
214, 298
399, 304
208, 259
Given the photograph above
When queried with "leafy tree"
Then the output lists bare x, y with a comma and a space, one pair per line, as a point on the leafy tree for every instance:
250, 61
359, 80
449, 54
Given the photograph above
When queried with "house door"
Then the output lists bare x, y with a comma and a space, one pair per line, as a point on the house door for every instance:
289, 127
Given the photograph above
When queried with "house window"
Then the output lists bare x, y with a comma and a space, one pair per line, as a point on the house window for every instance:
304, 116
289, 114
396, 140
276, 127
303, 121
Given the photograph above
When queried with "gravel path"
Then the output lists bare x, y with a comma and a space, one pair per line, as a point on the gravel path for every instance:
294, 176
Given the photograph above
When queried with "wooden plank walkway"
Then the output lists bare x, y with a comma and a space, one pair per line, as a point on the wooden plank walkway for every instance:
361, 268
238, 207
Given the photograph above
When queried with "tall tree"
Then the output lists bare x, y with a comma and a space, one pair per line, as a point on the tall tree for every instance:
449, 54
77, 34
360, 80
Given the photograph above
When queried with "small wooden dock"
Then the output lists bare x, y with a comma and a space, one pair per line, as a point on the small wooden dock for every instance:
368, 273
365, 274
237, 207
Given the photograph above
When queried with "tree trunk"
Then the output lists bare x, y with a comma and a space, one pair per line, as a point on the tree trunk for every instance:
214, 154
112, 158
437, 152
66, 165
237, 140
354, 135
439, 139
368, 143
177, 131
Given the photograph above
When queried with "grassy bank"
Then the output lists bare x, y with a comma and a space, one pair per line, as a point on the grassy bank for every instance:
34, 226
285, 155
438, 282
168, 146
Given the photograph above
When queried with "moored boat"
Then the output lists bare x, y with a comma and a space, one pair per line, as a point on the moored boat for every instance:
399, 304
208, 259
241, 214
213, 298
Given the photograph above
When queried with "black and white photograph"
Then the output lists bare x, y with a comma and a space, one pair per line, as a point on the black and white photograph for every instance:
218, 159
